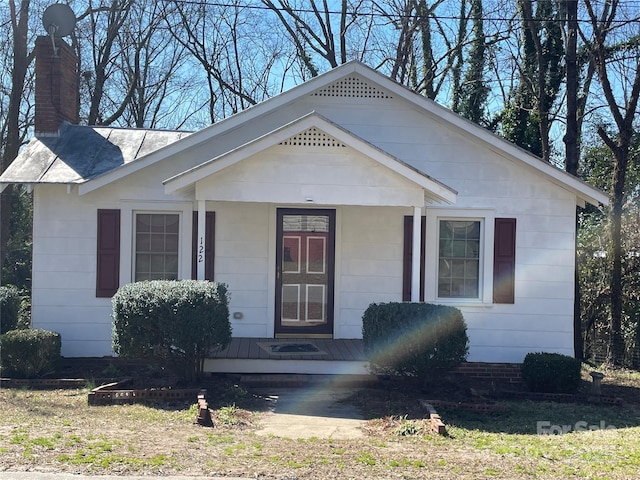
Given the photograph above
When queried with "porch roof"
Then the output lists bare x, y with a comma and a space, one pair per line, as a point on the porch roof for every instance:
434, 190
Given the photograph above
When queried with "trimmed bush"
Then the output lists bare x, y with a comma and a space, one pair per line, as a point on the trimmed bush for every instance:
551, 373
179, 322
414, 339
9, 308
29, 353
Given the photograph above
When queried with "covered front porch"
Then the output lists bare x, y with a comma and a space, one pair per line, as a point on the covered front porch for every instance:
321, 356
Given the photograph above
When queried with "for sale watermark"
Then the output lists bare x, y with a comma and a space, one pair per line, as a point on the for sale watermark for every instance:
546, 428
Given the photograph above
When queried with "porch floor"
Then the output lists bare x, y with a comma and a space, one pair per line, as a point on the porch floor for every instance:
257, 355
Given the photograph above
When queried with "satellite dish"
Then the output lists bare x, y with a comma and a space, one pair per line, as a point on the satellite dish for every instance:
59, 20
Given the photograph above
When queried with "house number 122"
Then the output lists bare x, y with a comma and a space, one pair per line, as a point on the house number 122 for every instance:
201, 250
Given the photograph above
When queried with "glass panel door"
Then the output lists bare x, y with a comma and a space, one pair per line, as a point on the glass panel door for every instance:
304, 272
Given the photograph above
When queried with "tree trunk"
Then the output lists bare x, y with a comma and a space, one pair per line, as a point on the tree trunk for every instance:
572, 151
616, 345
19, 25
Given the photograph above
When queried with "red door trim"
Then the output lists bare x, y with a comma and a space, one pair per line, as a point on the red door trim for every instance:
325, 329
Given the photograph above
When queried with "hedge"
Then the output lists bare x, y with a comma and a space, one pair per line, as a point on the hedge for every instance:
175, 321
551, 372
414, 339
29, 353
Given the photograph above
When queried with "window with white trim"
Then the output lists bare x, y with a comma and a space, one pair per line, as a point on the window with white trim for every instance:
459, 258
156, 246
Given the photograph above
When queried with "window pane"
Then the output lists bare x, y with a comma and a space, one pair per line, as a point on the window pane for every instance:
157, 263
143, 223
444, 288
158, 223
143, 242
142, 263
459, 259
305, 223
171, 264
172, 223
171, 243
457, 268
156, 243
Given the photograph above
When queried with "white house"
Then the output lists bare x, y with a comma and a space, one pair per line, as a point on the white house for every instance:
346, 190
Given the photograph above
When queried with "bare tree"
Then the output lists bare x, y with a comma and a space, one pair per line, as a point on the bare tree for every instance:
154, 65
14, 125
237, 52
311, 28
616, 56
101, 34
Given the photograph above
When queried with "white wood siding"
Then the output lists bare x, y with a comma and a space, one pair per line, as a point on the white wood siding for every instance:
335, 176
64, 272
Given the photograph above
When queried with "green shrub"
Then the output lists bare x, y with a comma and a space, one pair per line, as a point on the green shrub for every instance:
9, 308
174, 321
29, 353
551, 372
414, 339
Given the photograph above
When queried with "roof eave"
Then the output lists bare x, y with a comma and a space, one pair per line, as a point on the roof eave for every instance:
437, 190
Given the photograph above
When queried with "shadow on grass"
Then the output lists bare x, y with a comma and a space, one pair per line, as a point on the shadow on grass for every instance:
522, 417
526, 417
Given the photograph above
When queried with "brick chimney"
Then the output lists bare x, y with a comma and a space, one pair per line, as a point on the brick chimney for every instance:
57, 94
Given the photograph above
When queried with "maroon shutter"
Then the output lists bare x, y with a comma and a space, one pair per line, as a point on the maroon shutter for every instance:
504, 260
108, 257
209, 246
407, 258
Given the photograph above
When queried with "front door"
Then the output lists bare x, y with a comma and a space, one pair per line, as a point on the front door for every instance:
305, 249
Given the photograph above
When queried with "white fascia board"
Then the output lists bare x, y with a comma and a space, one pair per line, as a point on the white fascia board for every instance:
221, 127
436, 190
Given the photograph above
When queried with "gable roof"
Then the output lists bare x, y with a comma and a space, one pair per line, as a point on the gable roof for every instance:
435, 190
381, 84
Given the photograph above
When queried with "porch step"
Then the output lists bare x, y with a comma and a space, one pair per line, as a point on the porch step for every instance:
297, 380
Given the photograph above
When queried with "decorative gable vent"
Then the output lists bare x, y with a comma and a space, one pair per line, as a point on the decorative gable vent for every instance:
312, 137
353, 87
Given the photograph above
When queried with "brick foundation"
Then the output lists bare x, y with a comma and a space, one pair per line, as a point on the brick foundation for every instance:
509, 373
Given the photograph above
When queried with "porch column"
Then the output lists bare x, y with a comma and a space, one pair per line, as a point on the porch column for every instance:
202, 230
415, 254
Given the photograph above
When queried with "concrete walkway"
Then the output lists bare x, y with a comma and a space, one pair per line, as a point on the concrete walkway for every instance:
311, 411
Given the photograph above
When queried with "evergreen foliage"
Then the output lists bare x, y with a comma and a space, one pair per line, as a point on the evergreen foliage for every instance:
16, 268
474, 90
178, 322
414, 339
29, 353
521, 122
9, 308
551, 372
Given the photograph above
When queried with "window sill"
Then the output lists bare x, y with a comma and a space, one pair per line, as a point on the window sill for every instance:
462, 303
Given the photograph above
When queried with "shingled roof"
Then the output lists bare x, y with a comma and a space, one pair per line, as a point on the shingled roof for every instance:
81, 153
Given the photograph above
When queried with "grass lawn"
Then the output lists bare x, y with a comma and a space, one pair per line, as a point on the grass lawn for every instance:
56, 430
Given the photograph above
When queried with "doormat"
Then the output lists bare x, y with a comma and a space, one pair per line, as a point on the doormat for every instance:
290, 348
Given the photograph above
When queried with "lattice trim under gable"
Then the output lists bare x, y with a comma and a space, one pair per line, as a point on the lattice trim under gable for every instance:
312, 137
353, 87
